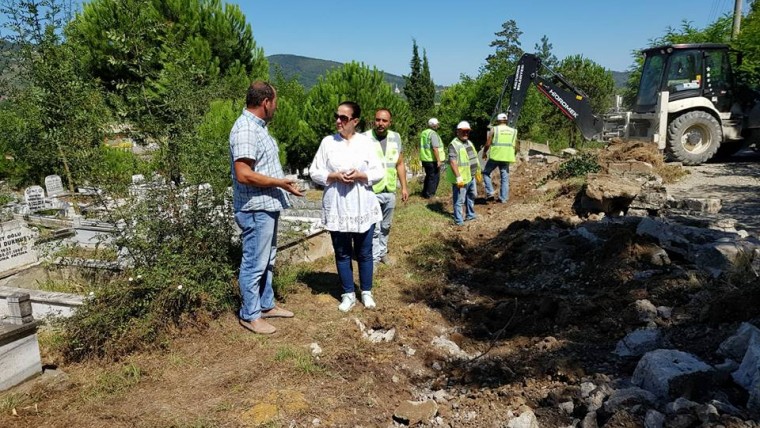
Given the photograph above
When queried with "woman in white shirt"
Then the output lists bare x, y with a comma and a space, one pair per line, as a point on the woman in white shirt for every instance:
346, 164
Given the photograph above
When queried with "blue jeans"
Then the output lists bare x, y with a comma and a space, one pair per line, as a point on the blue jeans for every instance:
503, 172
383, 227
259, 240
345, 245
463, 197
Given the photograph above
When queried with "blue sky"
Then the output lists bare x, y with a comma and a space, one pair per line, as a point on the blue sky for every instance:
456, 34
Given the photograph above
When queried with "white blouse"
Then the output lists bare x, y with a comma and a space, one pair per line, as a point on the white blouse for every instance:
348, 207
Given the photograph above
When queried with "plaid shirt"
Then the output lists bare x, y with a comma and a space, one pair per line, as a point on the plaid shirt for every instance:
250, 139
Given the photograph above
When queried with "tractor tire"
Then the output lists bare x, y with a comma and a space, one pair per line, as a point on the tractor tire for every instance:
694, 137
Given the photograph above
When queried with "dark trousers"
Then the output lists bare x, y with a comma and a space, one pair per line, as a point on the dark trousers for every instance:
432, 176
348, 244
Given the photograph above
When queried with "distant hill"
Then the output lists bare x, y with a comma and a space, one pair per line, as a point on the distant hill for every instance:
309, 69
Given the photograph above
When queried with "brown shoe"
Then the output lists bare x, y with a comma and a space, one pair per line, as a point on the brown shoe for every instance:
277, 312
258, 325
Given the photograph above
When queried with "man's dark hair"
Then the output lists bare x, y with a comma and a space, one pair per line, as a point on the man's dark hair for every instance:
385, 109
357, 111
258, 92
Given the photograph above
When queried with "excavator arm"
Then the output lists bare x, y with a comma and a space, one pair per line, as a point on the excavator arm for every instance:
571, 101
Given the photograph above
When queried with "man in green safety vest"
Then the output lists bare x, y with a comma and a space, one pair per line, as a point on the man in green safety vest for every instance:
431, 156
389, 150
460, 174
499, 152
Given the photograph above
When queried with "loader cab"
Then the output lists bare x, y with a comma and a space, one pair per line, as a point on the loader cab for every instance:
686, 71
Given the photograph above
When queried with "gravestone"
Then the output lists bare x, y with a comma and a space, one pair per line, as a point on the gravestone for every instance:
16, 246
54, 185
35, 198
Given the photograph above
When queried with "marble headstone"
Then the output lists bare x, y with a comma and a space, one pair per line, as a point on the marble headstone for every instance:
35, 198
54, 185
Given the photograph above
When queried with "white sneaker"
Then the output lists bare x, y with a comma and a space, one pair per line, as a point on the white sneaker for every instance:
367, 300
348, 301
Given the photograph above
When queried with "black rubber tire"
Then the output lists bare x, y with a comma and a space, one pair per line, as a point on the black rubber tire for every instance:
693, 137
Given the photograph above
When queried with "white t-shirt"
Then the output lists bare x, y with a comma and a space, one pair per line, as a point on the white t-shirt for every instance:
348, 207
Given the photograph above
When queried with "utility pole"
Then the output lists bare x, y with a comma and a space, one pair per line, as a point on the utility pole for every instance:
737, 19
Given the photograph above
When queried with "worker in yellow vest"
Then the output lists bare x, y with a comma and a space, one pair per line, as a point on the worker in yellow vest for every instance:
431, 156
459, 174
499, 152
389, 150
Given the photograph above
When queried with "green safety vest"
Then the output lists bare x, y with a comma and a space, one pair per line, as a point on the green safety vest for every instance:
426, 149
389, 158
503, 144
463, 163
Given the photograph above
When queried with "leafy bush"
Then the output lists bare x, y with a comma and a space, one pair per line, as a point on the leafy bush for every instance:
179, 241
576, 166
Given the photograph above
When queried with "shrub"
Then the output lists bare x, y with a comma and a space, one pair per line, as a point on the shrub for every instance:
577, 166
179, 242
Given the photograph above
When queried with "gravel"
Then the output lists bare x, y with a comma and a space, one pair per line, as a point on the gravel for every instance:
735, 182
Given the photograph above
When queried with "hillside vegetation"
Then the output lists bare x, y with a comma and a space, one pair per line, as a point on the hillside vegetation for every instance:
308, 70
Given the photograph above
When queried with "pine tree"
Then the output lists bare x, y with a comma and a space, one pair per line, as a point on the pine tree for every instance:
419, 90
427, 100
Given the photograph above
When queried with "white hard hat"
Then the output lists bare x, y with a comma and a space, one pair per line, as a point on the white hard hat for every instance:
463, 125
433, 121
501, 116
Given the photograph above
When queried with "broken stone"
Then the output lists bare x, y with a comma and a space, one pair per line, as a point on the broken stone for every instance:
380, 335
414, 412
450, 347
654, 419
630, 167
682, 421
586, 388
628, 397
650, 198
567, 407
315, 349
527, 419
639, 342
633, 212
645, 310
664, 312
735, 346
680, 405
569, 152
590, 421
727, 408
608, 193
440, 396
748, 373
706, 205
707, 413
717, 257
670, 373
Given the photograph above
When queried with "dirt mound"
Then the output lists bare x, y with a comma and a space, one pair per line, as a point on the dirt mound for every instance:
517, 312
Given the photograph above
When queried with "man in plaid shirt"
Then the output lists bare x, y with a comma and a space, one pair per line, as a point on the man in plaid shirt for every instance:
259, 194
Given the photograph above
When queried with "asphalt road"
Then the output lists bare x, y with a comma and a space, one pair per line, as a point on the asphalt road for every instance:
735, 181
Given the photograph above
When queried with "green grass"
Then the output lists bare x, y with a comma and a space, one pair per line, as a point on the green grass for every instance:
13, 401
301, 359
287, 277
101, 253
115, 382
65, 287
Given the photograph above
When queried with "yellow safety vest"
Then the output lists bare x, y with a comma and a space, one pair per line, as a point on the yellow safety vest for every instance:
463, 163
426, 148
503, 144
389, 158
